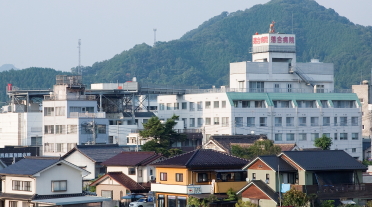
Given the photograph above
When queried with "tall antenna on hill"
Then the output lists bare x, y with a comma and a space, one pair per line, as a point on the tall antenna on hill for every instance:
79, 66
154, 36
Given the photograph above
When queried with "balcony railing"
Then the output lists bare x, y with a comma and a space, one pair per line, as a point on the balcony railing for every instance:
263, 90
87, 115
336, 191
64, 97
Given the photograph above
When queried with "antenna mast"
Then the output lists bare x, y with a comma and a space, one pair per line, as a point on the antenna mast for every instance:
79, 66
154, 36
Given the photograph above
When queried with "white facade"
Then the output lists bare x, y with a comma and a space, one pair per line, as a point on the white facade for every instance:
81, 160
142, 174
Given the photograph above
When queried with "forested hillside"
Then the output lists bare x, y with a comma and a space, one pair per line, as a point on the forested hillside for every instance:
202, 56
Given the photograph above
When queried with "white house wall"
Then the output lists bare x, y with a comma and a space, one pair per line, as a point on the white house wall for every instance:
8, 185
81, 160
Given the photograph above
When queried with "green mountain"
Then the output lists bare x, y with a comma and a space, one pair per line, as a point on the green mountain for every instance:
202, 56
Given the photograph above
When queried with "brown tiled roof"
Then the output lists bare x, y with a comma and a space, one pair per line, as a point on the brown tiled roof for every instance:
286, 147
122, 179
225, 141
132, 159
204, 158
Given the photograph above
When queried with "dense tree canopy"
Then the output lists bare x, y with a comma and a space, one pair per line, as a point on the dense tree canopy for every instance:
260, 147
323, 142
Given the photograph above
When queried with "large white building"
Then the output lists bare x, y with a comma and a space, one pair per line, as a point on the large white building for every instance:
276, 96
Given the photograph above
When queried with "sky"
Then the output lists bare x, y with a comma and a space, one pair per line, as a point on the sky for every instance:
44, 33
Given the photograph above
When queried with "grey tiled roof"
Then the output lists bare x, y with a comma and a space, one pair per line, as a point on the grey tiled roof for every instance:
273, 161
97, 153
225, 141
325, 160
29, 166
202, 158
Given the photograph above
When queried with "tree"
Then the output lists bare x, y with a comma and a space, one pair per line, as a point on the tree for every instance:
241, 203
327, 203
259, 147
163, 136
323, 142
294, 197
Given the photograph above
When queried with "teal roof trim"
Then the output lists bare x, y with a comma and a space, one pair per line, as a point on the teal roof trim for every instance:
270, 97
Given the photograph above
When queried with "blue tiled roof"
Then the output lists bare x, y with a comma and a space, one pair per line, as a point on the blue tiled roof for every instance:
97, 153
29, 166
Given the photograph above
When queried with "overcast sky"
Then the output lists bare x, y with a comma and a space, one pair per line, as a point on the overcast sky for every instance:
45, 33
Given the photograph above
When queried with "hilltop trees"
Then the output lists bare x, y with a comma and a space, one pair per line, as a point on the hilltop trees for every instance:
260, 147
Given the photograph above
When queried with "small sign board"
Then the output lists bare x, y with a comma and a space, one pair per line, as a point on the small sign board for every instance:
194, 189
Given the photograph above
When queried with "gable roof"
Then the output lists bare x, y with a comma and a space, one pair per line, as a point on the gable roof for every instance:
263, 187
132, 159
225, 141
35, 165
96, 153
324, 160
203, 158
273, 162
122, 179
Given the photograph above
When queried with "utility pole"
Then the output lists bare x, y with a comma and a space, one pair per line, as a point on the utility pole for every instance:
79, 72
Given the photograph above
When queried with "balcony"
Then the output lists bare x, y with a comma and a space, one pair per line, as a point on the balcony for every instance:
70, 97
219, 187
87, 115
337, 191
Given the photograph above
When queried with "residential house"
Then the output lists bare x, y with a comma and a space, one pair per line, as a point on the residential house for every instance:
127, 172
90, 157
331, 174
197, 173
44, 181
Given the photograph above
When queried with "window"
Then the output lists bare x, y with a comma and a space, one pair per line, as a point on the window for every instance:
161, 106
200, 106
200, 122
71, 129
289, 87
202, 177
241, 85
70, 146
238, 121
259, 104
354, 136
267, 179
13, 203
60, 111
326, 121
60, 129
245, 104
250, 121
306, 104
48, 111
236, 104
324, 103
140, 173
216, 104
184, 122
343, 104
192, 122
49, 129
106, 193
302, 137
207, 104
327, 135
354, 121
353, 149
301, 121
225, 121
16, 185
179, 177
184, 105
263, 121
59, 147
216, 120
48, 147
176, 106
253, 176
289, 121
192, 106
278, 121
335, 136
343, 121
169, 106
343, 136
223, 104
290, 137
278, 137
314, 136
256, 86
276, 87
161, 201
163, 176
36, 141
335, 121
59, 185
207, 121
314, 121
101, 128
131, 171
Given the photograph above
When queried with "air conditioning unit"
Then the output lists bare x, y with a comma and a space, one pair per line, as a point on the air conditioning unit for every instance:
151, 177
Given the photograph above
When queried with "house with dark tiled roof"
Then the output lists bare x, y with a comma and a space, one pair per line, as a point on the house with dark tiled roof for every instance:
127, 172
44, 181
199, 174
90, 157
331, 174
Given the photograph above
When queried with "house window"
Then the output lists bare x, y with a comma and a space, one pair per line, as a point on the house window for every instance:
223, 103
354, 121
343, 136
184, 105
71, 129
236, 104
259, 104
256, 86
13, 203
16, 185
343, 121
200, 122
131, 171
302, 137
106, 193
314, 121
60, 111
278, 121
169, 106
179, 177
216, 104
263, 121
353, 149
36, 141
354, 136
335, 136
101, 128
278, 137
176, 106
326, 121
324, 103
192, 122
151, 172
161, 201
253, 176
290, 137
250, 121
216, 120
238, 121
59, 185
245, 104
192, 106
314, 136
267, 179
202, 177
207, 104
48, 129
161, 106
60, 129
207, 121
335, 121
59, 147
163, 176
301, 121
289, 121
48, 111
200, 106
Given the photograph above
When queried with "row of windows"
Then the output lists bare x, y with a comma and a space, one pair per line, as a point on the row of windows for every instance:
313, 136
192, 106
58, 147
60, 110
21, 185
72, 129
